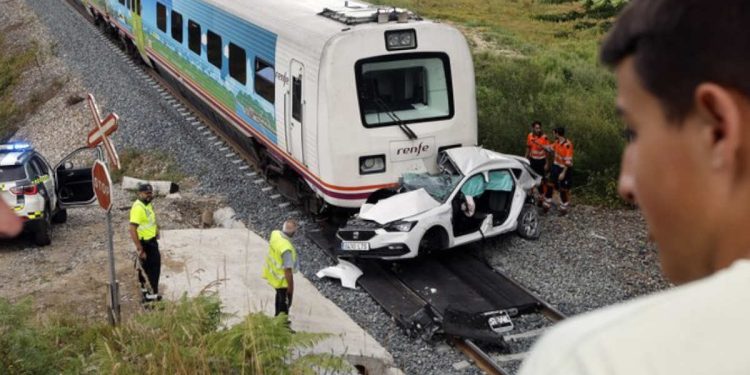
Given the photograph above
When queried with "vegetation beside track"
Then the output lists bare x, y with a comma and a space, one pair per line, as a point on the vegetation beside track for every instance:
183, 337
538, 60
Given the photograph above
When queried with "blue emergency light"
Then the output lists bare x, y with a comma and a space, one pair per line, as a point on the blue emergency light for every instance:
17, 146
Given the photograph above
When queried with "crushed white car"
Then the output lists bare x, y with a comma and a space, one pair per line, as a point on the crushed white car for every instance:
477, 194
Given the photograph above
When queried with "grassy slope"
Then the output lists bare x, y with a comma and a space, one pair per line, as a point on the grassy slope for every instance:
537, 60
12, 65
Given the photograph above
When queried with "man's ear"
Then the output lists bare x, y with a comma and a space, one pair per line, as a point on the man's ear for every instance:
720, 109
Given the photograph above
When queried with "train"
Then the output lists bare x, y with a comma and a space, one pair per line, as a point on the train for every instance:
343, 97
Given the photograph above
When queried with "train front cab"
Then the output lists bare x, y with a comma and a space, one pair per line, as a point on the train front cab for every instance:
386, 109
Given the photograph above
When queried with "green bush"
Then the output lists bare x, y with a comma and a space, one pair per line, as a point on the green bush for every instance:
558, 89
183, 337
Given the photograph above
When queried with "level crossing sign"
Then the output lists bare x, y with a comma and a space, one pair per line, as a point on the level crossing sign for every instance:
102, 130
102, 185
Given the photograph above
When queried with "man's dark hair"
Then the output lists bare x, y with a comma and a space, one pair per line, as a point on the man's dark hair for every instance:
679, 44
559, 130
535, 123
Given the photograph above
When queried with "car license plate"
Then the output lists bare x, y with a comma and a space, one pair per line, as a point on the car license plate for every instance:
356, 246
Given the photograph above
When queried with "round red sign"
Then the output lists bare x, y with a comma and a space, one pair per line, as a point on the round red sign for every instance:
102, 185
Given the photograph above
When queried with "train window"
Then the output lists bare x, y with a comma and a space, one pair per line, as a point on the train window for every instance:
297, 98
177, 26
194, 37
213, 48
264, 80
406, 88
137, 6
122, 2
161, 17
237, 63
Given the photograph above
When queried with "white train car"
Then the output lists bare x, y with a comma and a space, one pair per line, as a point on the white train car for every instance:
344, 96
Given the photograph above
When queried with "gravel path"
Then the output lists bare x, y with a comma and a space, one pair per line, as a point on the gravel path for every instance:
589, 259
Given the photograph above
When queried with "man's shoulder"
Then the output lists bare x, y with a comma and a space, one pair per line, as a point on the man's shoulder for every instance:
137, 206
668, 322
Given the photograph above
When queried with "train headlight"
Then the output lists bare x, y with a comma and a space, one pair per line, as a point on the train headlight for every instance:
396, 40
371, 164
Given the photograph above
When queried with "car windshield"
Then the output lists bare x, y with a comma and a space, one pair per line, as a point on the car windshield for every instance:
12, 173
439, 186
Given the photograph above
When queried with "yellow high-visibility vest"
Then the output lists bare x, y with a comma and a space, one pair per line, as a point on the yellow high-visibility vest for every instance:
143, 215
273, 270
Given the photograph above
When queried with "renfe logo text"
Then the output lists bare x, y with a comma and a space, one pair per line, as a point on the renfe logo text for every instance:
413, 150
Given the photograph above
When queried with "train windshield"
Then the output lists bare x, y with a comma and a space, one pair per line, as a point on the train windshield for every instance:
404, 88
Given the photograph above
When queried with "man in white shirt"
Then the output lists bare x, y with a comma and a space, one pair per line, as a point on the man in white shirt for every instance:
684, 95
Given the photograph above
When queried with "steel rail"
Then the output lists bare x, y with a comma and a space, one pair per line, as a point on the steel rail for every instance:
480, 358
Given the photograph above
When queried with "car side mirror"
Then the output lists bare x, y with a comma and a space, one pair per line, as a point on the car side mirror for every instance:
68, 165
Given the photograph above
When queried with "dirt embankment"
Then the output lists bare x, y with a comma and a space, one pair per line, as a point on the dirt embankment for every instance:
70, 275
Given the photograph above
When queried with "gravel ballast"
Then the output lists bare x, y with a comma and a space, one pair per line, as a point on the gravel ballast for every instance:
590, 258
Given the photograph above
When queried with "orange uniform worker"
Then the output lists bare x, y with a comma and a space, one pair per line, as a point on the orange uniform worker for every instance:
561, 173
536, 151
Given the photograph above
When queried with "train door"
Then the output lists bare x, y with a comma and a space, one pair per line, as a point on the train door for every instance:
296, 112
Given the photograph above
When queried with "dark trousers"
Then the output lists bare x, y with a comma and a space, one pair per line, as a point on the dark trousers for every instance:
151, 265
283, 302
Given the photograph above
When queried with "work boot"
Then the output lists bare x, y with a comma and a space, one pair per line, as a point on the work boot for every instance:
546, 205
563, 209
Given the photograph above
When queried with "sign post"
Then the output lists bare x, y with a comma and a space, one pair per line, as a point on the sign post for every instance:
103, 190
101, 132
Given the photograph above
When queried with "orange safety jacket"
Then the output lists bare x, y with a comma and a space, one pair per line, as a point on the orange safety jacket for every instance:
536, 145
563, 153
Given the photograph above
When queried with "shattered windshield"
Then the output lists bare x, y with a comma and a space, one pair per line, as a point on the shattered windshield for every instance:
439, 186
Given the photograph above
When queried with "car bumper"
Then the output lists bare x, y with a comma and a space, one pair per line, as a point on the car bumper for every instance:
380, 244
392, 251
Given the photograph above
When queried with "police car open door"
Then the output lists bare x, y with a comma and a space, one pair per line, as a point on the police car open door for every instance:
74, 179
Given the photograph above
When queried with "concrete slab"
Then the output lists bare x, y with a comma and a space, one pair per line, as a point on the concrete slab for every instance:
230, 261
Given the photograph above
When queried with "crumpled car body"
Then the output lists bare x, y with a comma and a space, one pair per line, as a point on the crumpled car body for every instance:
427, 212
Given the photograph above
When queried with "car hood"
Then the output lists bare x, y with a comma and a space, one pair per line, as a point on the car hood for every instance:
398, 207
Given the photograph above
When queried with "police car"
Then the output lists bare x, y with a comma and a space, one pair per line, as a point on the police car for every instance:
40, 194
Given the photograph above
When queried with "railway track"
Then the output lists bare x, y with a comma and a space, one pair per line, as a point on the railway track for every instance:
458, 297
431, 315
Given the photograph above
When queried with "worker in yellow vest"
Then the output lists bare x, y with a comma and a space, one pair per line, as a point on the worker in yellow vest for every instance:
145, 232
281, 263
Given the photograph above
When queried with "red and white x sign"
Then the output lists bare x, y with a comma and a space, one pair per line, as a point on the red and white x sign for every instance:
101, 132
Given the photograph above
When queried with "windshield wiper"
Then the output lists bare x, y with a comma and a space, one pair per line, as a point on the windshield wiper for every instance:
384, 107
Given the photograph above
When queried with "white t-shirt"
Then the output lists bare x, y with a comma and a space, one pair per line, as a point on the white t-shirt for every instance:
699, 328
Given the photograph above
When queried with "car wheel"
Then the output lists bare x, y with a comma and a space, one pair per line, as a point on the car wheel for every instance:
528, 222
60, 216
430, 242
41, 231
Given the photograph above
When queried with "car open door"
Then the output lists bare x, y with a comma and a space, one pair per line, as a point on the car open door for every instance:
74, 180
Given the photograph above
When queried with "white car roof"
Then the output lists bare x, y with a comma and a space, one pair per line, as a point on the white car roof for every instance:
469, 159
